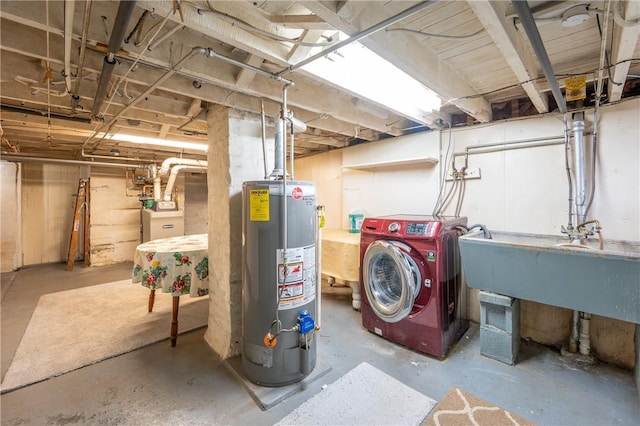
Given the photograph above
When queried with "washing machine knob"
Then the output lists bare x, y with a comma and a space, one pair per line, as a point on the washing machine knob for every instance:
394, 227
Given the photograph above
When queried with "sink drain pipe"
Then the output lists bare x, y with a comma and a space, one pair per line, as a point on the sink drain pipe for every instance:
581, 320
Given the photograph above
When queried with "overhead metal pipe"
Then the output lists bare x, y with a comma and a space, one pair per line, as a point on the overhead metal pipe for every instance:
359, 36
213, 54
263, 125
125, 11
24, 158
531, 29
75, 95
69, 9
195, 51
143, 95
22, 110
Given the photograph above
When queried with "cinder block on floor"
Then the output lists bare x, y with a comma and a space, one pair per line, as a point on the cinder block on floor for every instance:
499, 327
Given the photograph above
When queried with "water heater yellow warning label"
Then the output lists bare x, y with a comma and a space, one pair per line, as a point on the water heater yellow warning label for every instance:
259, 205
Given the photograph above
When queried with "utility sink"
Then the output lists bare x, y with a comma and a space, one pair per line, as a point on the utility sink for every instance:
545, 269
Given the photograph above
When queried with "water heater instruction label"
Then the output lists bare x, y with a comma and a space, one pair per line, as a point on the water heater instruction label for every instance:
259, 205
296, 277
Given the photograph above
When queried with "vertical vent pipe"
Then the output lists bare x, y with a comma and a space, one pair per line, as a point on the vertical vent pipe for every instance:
278, 167
579, 163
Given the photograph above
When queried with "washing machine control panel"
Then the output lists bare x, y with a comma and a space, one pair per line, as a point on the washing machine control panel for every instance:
423, 229
417, 228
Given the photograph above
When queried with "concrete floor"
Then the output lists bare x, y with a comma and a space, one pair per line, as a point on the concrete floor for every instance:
188, 384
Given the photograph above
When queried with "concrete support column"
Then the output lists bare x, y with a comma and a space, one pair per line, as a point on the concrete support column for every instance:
235, 156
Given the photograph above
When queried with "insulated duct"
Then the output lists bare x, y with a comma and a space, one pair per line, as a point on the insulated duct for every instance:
174, 174
166, 164
125, 11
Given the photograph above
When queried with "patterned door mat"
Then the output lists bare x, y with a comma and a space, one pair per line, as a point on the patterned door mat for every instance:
459, 408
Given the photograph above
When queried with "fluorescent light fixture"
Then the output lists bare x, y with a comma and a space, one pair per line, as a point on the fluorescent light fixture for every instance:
367, 75
158, 142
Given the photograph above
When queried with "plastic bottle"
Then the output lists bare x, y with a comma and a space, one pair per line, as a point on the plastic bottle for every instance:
356, 216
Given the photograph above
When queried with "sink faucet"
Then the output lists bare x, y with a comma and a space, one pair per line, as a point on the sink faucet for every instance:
581, 232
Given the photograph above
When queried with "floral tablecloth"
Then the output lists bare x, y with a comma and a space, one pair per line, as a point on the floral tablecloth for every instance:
176, 265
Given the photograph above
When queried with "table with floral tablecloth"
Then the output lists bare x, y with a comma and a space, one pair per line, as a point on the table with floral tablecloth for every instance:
176, 265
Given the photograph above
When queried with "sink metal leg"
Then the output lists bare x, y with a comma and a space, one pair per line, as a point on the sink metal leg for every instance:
638, 358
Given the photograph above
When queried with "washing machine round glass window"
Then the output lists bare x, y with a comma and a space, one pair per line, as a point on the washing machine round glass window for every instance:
391, 279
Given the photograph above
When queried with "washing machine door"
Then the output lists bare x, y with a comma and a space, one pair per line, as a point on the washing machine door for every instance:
391, 279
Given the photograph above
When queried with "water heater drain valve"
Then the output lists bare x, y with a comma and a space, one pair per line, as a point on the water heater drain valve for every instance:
305, 322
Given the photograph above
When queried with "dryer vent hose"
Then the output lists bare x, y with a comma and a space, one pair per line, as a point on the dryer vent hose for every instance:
485, 231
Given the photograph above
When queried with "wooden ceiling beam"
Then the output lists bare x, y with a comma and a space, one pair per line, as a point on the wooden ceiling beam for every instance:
625, 39
512, 46
404, 51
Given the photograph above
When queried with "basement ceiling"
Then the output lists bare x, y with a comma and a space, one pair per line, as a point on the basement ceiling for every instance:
475, 55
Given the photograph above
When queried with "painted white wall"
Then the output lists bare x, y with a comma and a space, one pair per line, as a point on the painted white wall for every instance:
382, 178
328, 181
527, 190
520, 191
41, 199
10, 211
115, 217
48, 200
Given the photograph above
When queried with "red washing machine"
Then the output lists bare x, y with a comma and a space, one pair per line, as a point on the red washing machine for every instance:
411, 282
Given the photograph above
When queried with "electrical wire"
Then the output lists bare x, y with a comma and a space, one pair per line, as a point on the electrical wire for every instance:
443, 176
461, 192
606, 54
252, 29
441, 36
449, 197
511, 86
594, 153
120, 80
568, 168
